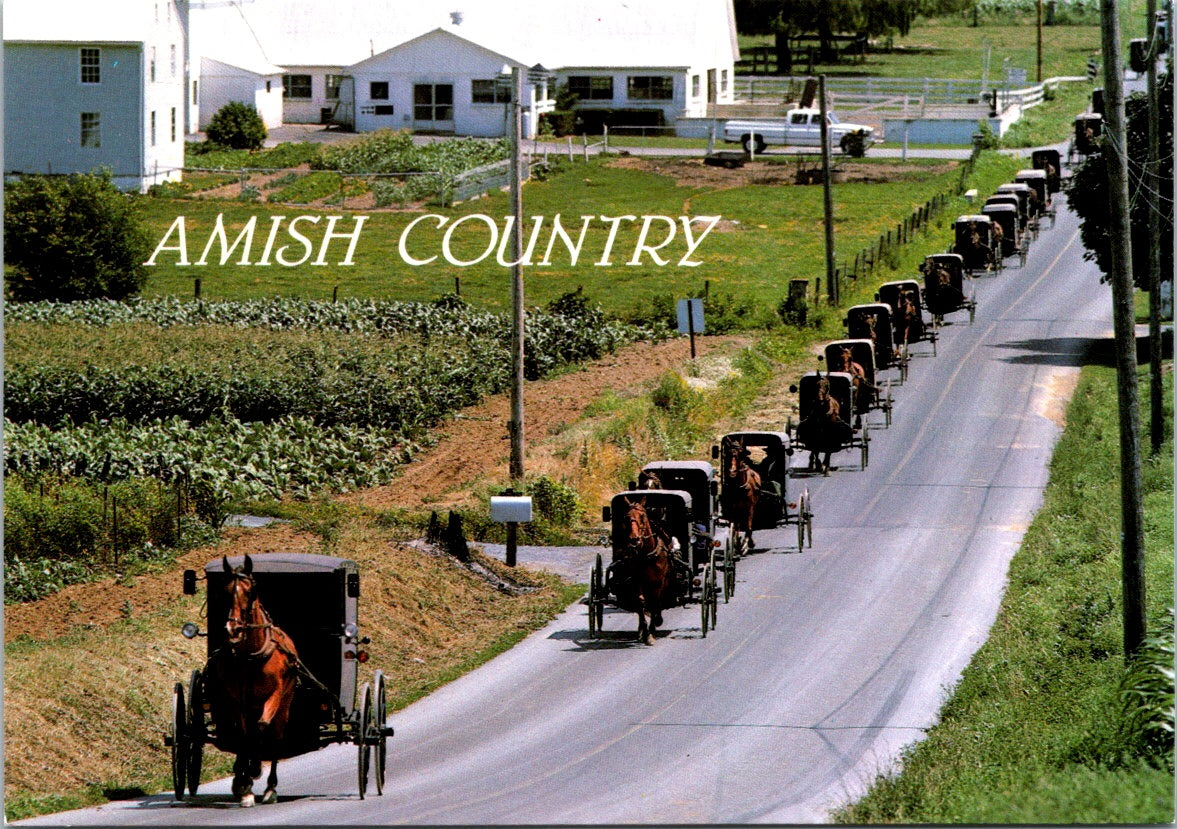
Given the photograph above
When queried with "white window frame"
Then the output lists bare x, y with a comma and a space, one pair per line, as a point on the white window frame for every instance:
90, 130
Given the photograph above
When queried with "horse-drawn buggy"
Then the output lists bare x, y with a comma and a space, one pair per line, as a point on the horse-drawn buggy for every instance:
1049, 160
944, 276
1040, 201
284, 651
857, 358
712, 532
1085, 141
1010, 240
905, 299
973, 242
655, 562
1019, 194
872, 321
825, 414
755, 494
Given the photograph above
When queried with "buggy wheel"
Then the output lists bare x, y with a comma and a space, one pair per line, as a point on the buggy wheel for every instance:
178, 738
972, 312
196, 730
865, 445
364, 732
596, 606
380, 755
807, 516
729, 574
887, 404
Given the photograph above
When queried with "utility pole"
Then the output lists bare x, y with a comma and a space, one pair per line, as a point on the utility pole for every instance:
1152, 187
1115, 153
515, 426
1040, 41
832, 287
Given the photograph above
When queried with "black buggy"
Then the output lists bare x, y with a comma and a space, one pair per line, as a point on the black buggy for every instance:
1037, 181
1086, 138
944, 286
314, 599
973, 242
1005, 216
769, 455
692, 569
713, 534
820, 435
1050, 162
909, 325
873, 321
870, 394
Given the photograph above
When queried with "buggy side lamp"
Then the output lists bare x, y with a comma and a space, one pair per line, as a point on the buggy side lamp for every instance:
793, 388
189, 582
714, 452
190, 630
606, 513
512, 509
350, 631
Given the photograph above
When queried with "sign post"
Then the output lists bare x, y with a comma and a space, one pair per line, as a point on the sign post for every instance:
690, 319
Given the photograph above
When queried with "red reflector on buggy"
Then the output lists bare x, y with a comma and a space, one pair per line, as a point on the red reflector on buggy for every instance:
349, 654
362, 656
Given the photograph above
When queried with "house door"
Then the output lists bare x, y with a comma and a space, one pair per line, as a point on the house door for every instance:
433, 107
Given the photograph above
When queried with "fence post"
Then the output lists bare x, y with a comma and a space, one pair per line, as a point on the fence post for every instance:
605, 138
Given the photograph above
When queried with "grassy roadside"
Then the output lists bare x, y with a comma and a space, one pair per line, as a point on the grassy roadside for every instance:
1035, 731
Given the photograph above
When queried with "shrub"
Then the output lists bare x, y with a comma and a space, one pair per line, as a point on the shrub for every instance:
555, 502
72, 238
238, 126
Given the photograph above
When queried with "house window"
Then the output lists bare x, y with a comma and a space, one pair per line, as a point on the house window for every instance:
91, 65
723, 81
268, 86
650, 88
489, 92
333, 84
696, 86
378, 90
152, 63
91, 130
196, 98
433, 102
172, 59
153, 127
297, 87
173, 125
591, 87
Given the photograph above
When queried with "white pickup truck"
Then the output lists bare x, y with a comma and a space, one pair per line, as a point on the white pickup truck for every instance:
799, 127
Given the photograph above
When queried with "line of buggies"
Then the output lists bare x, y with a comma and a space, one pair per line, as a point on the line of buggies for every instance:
702, 519
833, 403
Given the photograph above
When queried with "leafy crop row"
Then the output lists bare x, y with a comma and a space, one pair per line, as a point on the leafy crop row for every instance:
386, 151
225, 457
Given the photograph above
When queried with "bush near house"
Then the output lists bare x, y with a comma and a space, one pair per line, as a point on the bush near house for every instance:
72, 238
238, 126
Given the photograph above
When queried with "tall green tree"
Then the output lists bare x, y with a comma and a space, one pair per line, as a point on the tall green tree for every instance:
69, 238
1087, 190
785, 19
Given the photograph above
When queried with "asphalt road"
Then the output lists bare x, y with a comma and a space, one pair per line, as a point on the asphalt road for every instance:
824, 665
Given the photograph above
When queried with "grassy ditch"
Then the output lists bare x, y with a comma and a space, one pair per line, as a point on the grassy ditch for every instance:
1038, 729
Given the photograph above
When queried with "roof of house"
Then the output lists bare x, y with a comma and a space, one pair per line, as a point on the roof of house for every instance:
557, 33
76, 21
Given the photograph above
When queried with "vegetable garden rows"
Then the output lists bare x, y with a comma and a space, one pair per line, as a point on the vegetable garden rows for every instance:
299, 420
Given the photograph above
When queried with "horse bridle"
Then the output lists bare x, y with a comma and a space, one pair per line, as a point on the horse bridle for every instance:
235, 623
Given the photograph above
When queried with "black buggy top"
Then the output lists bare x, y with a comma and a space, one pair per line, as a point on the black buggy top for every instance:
667, 509
696, 478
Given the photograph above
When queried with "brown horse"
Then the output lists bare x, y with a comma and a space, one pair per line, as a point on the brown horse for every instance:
741, 487
251, 684
907, 319
822, 429
641, 575
864, 392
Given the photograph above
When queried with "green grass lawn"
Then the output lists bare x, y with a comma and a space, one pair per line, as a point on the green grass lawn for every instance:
1033, 732
766, 237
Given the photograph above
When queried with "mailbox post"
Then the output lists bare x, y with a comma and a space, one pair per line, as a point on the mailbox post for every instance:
511, 509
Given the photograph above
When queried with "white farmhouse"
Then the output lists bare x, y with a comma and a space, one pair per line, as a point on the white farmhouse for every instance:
85, 88
431, 67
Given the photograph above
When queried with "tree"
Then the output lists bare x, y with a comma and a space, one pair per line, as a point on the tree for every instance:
237, 125
72, 238
787, 19
1087, 190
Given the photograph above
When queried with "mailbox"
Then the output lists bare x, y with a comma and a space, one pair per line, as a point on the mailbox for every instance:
511, 509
